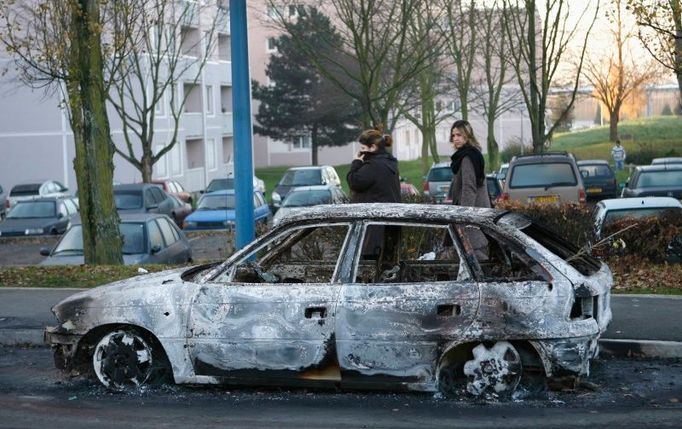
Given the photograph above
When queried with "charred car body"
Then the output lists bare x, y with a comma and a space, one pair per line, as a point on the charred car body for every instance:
415, 296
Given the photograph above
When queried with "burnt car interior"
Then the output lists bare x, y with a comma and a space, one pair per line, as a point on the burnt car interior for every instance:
308, 255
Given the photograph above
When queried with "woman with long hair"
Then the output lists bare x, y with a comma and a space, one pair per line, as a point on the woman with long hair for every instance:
468, 186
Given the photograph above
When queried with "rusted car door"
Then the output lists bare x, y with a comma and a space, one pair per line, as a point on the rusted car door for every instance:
392, 328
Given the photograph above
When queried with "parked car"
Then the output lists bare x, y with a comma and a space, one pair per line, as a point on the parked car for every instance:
663, 180
308, 196
437, 182
180, 210
36, 189
4, 203
599, 179
304, 176
304, 304
143, 198
216, 210
173, 187
668, 160
408, 190
228, 183
551, 177
608, 211
40, 216
494, 186
148, 238
502, 172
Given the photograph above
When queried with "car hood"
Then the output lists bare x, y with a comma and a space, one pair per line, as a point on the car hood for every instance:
22, 224
80, 260
164, 289
211, 216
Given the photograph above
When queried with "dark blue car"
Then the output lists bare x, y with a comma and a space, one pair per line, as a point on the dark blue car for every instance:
216, 210
41, 216
599, 179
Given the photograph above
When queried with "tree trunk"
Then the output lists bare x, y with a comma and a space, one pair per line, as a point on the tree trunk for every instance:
146, 166
614, 117
314, 145
94, 153
493, 149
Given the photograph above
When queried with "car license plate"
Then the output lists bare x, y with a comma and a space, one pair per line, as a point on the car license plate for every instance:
545, 199
444, 188
593, 190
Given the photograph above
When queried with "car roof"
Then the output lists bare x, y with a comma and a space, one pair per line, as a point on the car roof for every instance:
669, 159
659, 167
645, 202
393, 212
131, 217
313, 188
534, 158
440, 164
309, 167
45, 199
135, 186
593, 162
225, 192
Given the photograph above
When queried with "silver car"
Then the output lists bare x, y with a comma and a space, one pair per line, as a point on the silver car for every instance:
360, 295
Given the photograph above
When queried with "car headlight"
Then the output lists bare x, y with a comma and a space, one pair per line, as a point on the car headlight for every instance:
33, 231
189, 224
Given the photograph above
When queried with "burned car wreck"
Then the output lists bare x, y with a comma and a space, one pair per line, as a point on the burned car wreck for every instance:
420, 297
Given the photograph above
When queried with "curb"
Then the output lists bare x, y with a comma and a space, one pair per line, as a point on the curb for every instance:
641, 348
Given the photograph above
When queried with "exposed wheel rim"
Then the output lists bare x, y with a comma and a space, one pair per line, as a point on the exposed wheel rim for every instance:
122, 359
497, 369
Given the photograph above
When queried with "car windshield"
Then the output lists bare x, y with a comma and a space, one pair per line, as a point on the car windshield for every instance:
220, 184
541, 175
32, 209
596, 170
307, 198
301, 178
132, 233
216, 202
637, 213
440, 174
127, 201
653, 179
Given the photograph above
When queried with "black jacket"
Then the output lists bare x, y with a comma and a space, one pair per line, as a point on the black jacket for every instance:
374, 180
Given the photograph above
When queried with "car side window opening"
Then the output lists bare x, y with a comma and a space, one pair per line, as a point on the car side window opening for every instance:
400, 253
63, 210
304, 255
155, 236
500, 259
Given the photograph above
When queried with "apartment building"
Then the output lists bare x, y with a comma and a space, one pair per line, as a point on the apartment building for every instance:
36, 141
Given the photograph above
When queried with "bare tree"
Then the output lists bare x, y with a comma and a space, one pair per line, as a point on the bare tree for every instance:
497, 94
462, 44
660, 30
539, 39
167, 42
379, 58
58, 46
616, 74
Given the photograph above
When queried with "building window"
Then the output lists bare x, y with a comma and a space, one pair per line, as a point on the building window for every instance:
272, 44
302, 142
195, 153
210, 108
192, 95
160, 106
224, 48
228, 149
190, 41
211, 155
225, 98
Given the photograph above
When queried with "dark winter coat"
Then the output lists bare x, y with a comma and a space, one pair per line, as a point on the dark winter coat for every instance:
375, 179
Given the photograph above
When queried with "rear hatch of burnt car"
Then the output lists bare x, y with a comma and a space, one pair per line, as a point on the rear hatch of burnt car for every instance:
591, 279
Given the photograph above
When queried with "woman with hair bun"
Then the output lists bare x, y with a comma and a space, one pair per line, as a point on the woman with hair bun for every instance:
373, 175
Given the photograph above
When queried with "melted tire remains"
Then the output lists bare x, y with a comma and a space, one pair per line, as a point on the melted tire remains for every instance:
495, 370
123, 359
